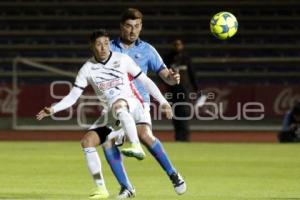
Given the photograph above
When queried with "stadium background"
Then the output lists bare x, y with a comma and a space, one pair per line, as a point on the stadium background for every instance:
260, 63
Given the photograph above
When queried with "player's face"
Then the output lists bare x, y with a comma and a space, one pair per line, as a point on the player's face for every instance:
130, 30
178, 45
101, 48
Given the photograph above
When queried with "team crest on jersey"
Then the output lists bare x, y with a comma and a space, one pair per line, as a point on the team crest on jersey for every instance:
116, 64
95, 68
104, 85
138, 55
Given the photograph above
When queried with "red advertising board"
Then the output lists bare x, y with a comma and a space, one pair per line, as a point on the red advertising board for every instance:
276, 99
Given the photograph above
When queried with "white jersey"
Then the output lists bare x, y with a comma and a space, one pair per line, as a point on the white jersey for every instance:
109, 79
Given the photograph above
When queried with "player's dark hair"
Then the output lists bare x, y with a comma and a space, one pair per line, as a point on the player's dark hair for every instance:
131, 13
98, 33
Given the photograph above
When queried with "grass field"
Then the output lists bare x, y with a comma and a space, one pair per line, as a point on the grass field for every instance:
56, 170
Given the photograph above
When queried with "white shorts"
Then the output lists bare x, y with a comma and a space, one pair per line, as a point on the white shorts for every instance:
147, 114
120, 136
108, 120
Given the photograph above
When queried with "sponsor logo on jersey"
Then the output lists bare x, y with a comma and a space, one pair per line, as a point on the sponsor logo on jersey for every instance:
104, 85
95, 68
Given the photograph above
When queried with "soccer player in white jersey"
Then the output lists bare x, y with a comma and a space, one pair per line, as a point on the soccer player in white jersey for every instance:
107, 72
148, 59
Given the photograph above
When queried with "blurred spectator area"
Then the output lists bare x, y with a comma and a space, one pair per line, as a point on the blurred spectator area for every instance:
266, 45
260, 63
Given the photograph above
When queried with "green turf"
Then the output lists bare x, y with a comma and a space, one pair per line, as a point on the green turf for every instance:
56, 170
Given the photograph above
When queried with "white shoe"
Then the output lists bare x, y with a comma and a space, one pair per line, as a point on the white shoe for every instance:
178, 183
126, 193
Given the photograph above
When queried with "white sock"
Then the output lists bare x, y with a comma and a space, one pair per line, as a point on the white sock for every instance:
94, 165
128, 124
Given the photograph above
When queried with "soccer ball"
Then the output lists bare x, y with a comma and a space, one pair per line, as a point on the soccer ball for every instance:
223, 25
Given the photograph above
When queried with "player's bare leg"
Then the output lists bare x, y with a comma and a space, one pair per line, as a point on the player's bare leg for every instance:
156, 148
89, 142
120, 109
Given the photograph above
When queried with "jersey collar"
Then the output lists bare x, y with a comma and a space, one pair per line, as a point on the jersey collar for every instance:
103, 63
119, 42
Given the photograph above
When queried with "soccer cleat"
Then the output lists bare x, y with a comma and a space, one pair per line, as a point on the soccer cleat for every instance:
178, 183
126, 193
134, 151
100, 192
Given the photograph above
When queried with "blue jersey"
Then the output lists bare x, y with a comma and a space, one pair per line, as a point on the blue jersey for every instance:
145, 56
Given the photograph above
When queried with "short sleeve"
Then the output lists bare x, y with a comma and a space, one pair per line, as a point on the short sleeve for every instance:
156, 63
81, 79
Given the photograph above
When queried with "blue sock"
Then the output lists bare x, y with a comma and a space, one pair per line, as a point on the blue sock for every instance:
114, 159
157, 150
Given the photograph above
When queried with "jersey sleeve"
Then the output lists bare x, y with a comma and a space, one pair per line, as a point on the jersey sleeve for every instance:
68, 100
131, 67
152, 88
155, 61
81, 79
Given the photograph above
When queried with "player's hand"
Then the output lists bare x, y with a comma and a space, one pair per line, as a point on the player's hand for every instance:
47, 111
174, 76
167, 110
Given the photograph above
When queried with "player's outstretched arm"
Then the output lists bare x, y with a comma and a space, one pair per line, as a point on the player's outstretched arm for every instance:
155, 92
170, 76
65, 103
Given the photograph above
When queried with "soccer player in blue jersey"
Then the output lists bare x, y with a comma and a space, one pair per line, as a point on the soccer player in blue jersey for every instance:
146, 56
